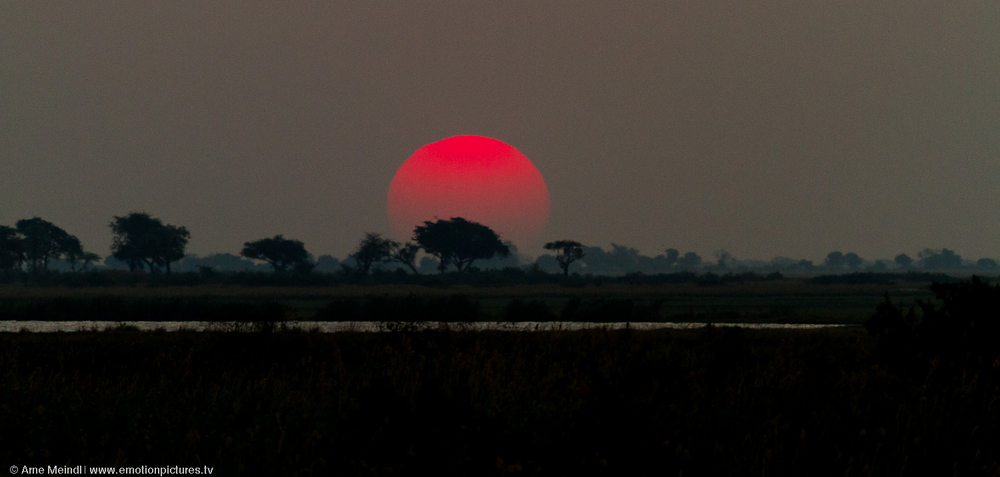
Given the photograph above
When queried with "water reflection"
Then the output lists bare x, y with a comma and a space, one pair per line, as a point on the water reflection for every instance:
367, 326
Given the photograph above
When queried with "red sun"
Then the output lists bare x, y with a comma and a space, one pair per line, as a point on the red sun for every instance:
477, 178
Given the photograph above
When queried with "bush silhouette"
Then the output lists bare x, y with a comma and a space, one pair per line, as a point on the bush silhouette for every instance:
966, 323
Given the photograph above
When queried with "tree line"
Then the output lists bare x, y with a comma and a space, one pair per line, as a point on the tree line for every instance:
139, 240
35, 243
142, 242
145, 243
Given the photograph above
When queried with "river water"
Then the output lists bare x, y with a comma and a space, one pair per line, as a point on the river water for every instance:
368, 326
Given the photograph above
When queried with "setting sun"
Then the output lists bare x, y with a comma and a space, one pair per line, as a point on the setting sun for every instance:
474, 177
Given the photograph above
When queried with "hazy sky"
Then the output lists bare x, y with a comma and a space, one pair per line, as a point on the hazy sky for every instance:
764, 128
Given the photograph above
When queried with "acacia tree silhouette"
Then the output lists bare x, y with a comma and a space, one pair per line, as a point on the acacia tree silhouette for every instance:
278, 251
141, 239
41, 240
406, 254
459, 242
11, 249
568, 251
72, 252
373, 249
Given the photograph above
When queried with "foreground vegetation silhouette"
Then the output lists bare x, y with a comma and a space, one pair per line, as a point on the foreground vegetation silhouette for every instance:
699, 402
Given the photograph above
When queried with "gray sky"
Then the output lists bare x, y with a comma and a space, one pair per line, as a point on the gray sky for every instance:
764, 128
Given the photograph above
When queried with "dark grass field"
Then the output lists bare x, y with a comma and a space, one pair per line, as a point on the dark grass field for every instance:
697, 402
715, 401
785, 301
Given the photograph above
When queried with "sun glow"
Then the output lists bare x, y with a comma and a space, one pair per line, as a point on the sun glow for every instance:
481, 179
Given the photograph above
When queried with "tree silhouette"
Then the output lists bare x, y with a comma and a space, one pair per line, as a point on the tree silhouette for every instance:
373, 249
834, 259
689, 261
672, 255
278, 251
903, 260
11, 249
624, 258
721, 257
42, 241
406, 254
946, 259
853, 261
568, 251
429, 264
141, 239
987, 264
327, 264
879, 266
72, 252
459, 242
